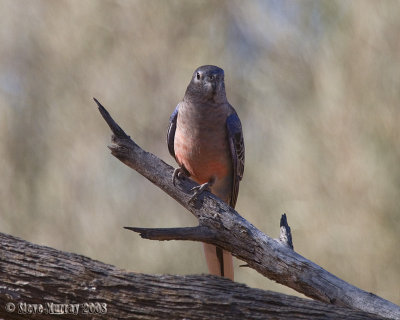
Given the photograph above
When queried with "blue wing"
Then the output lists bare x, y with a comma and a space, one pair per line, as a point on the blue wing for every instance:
236, 143
171, 131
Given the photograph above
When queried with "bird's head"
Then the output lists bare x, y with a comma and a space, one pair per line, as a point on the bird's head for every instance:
207, 85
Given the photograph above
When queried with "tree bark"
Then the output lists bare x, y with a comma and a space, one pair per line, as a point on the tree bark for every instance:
221, 225
32, 276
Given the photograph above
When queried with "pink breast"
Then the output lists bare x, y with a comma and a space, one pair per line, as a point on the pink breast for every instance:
203, 160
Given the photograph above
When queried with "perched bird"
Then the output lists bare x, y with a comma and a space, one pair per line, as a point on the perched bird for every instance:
205, 138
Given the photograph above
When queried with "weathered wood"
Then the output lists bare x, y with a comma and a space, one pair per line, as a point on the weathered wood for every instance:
34, 274
285, 235
232, 232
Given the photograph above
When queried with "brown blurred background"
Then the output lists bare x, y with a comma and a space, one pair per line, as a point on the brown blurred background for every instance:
315, 83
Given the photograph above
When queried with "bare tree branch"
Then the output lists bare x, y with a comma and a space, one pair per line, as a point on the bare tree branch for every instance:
198, 233
272, 258
33, 276
285, 236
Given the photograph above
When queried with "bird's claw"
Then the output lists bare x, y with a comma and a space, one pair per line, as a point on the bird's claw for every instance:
179, 172
176, 174
198, 190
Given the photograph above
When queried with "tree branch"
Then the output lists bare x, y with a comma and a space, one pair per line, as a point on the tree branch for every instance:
273, 259
285, 236
198, 233
38, 275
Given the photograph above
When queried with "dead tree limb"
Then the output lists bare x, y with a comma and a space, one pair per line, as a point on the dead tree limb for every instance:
227, 229
33, 275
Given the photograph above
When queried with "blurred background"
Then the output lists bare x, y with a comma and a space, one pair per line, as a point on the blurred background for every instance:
315, 83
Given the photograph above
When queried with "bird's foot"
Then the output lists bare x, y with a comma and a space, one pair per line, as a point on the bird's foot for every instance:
176, 174
179, 172
199, 189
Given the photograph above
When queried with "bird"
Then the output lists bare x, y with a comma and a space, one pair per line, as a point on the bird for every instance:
206, 139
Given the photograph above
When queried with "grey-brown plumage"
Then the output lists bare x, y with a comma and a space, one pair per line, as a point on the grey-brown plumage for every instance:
205, 137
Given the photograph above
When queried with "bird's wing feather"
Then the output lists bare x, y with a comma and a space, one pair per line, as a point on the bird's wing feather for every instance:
236, 143
171, 131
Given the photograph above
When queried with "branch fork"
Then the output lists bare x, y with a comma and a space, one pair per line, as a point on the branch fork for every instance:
221, 225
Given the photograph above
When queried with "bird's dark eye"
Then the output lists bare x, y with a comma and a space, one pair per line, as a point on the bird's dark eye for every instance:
198, 76
211, 77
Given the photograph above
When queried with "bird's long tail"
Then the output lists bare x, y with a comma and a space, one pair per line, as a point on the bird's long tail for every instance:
219, 261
